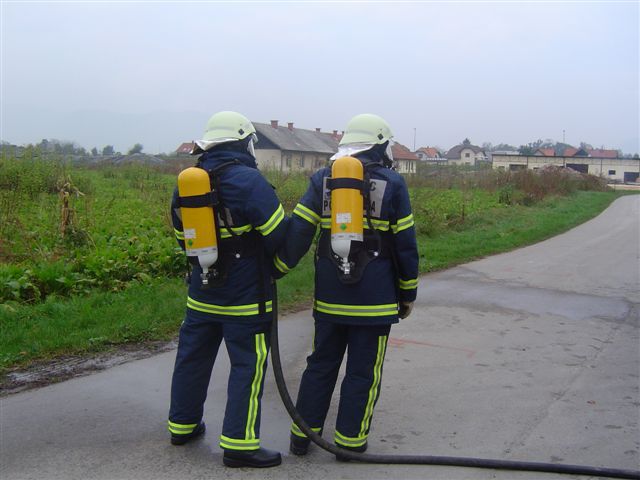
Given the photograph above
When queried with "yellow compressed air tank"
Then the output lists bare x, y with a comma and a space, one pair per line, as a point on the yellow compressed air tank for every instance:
198, 222
347, 207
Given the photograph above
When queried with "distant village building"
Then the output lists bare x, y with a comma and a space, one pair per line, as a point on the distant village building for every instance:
404, 159
465, 154
614, 169
576, 152
293, 149
430, 155
545, 152
185, 148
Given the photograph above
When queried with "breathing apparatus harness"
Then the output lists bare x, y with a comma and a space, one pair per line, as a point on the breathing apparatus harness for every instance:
233, 247
374, 245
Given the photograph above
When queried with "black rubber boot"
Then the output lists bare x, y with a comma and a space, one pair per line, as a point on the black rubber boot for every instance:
260, 458
182, 439
360, 449
299, 445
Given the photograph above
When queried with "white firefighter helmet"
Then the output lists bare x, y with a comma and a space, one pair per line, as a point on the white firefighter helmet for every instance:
224, 127
363, 132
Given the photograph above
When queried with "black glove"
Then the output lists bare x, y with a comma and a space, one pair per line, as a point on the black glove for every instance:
405, 309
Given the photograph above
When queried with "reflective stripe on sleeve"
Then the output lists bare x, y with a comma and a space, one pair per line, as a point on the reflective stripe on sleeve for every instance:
408, 284
179, 234
356, 310
233, 310
280, 265
403, 224
267, 227
307, 214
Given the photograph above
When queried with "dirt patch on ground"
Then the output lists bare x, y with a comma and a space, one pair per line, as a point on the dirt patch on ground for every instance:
43, 373
40, 374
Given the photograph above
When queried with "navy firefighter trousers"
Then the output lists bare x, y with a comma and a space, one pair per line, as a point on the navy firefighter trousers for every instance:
361, 384
248, 347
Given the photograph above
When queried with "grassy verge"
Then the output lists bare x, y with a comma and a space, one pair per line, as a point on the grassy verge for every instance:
153, 310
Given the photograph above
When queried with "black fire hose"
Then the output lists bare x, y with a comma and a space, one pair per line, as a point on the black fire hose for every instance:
421, 459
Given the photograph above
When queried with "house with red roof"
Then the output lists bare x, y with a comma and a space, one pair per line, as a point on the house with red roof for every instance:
430, 155
185, 148
545, 152
404, 160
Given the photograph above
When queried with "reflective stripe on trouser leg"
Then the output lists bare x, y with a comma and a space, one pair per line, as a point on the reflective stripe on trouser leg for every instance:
374, 391
295, 429
361, 386
319, 378
197, 349
181, 429
248, 349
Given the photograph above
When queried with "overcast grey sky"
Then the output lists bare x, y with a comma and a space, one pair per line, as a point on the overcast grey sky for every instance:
153, 72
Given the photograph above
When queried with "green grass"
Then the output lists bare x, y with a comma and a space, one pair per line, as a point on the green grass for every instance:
153, 308
503, 229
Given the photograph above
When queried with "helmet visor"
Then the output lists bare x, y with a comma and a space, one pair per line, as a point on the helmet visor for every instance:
352, 149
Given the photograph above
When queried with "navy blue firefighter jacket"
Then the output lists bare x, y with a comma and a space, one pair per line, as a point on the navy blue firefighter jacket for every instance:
386, 280
252, 209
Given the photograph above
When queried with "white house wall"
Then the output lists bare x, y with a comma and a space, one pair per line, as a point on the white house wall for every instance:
612, 169
406, 166
268, 159
464, 160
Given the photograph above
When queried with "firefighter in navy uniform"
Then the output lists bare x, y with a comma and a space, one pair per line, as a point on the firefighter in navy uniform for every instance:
353, 310
234, 304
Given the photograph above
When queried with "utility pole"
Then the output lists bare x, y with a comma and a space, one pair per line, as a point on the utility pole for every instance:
414, 139
563, 136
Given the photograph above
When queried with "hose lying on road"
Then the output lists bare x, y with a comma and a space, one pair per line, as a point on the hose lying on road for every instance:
421, 459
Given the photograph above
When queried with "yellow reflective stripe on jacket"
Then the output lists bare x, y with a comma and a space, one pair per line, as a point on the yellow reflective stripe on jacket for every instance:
349, 441
403, 224
179, 234
224, 233
408, 284
307, 214
295, 429
234, 310
181, 428
356, 310
237, 444
378, 224
373, 391
256, 386
280, 265
267, 227
382, 225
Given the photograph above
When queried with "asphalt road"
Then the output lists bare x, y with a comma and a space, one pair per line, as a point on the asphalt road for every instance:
530, 355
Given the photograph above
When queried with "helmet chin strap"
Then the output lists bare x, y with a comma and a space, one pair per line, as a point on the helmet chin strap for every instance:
253, 138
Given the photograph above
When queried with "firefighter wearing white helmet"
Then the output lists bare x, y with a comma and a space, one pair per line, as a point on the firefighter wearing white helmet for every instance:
362, 286
234, 211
